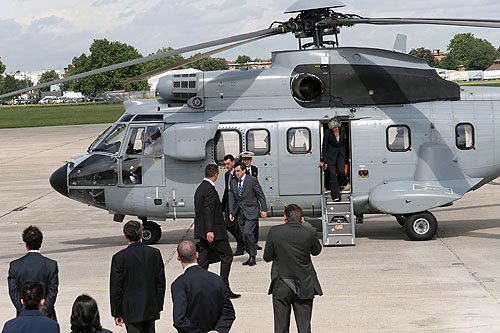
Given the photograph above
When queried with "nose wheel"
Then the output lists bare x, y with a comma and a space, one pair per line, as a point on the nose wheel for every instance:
151, 232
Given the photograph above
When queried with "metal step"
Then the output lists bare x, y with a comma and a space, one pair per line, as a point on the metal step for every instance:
338, 221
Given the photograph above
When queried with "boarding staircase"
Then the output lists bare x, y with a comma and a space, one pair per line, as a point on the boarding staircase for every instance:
338, 221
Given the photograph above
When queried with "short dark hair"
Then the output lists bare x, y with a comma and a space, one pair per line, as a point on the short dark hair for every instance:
241, 165
33, 293
186, 251
132, 230
211, 170
33, 237
229, 157
293, 212
85, 315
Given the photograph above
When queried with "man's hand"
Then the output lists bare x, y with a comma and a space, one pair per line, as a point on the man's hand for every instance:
210, 236
231, 217
321, 164
263, 214
119, 321
325, 166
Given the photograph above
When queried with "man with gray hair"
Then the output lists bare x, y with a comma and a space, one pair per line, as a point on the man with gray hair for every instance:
200, 298
137, 283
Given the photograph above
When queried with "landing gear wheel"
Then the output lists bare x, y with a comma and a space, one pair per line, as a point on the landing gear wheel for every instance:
401, 219
421, 226
151, 232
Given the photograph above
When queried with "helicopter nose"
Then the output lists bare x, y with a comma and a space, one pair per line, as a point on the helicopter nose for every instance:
58, 180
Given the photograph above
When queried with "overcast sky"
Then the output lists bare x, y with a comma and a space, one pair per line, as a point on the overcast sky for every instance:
38, 35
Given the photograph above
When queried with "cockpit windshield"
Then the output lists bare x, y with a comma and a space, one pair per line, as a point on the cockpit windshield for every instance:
112, 142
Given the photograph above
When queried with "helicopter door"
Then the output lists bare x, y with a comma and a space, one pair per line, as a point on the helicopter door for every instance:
142, 162
299, 155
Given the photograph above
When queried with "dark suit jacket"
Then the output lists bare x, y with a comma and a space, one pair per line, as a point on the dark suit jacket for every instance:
201, 302
34, 267
208, 215
290, 246
225, 196
31, 321
252, 200
137, 283
331, 148
254, 171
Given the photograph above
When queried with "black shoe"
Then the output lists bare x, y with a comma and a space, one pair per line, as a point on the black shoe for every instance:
246, 263
233, 295
337, 199
238, 252
257, 246
252, 262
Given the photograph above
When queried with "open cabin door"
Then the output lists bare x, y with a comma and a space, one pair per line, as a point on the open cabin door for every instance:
299, 155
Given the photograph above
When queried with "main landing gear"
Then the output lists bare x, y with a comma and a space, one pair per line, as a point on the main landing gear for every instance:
151, 232
418, 226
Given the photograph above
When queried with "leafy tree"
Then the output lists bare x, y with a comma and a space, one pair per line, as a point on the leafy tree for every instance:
450, 61
243, 59
151, 65
2, 69
47, 77
473, 53
104, 53
10, 83
257, 60
425, 54
210, 64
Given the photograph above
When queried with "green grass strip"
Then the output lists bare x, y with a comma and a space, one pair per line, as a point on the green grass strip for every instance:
55, 115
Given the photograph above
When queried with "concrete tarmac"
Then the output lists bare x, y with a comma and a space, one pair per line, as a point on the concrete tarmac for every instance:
385, 283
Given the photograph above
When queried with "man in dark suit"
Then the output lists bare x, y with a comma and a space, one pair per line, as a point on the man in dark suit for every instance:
32, 319
137, 283
252, 170
246, 203
231, 226
34, 267
333, 156
200, 298
210, 228
293, 281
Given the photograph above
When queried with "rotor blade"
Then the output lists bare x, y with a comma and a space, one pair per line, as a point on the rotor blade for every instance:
187, 61
217, 42
437, 21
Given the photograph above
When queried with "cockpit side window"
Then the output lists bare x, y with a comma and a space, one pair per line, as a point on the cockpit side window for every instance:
135, 141
153, 142
112, 142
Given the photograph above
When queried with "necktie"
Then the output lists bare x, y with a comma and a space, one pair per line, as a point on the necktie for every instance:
240, 187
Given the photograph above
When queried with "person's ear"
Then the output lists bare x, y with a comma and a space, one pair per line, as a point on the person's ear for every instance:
286, 220
178, 258
42, 302
22, 301
197, 255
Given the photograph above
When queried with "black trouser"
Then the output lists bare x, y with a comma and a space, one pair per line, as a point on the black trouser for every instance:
220, 249
256, 232
147, 326
333, 169
234, 229
247, 229
283, 300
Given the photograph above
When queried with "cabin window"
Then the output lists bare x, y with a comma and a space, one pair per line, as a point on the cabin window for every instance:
299, 140
153, 142
464, 134
227, 142
398, 138
258, 141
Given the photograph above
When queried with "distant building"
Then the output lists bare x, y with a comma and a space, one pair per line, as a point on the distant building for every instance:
438, 55
495, 66
251, 65
33, 76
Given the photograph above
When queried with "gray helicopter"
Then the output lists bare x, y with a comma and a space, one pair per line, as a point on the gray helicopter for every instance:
416, 141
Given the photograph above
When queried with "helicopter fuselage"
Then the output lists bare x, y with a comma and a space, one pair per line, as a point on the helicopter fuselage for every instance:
416, 142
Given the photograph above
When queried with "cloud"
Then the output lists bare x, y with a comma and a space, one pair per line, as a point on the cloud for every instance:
100, 3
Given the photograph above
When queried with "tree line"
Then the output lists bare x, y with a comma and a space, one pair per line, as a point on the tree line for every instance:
463, 50
105, 53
